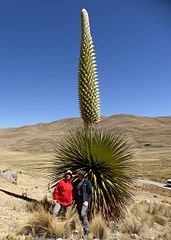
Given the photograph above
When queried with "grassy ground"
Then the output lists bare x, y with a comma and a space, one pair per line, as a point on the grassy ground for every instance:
152, 163
26, 161
150, 209
148, 217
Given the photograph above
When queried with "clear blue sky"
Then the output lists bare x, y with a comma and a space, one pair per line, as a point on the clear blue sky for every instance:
39, 55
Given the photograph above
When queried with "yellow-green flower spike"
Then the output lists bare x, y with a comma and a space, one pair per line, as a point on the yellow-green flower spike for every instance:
88, 81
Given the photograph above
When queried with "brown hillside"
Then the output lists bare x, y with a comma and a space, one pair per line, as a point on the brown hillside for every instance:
148, 131
34, 144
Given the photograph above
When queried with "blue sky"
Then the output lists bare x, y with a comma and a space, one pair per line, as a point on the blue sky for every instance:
39, 56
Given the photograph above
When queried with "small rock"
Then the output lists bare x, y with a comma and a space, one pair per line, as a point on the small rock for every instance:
10, 176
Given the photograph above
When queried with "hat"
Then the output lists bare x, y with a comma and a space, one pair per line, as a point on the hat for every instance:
81, 172
68, 172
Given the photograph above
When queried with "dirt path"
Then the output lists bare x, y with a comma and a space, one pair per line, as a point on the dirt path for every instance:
150, 182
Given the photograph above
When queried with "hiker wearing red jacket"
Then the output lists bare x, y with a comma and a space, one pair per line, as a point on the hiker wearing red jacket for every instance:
62, 193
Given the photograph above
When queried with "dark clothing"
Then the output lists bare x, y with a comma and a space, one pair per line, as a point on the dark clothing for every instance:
83, 191
82, 212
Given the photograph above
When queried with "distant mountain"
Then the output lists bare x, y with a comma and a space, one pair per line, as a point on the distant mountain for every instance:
143, 132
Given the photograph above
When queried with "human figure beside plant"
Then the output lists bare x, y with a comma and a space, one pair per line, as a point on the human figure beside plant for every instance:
62, 194
82, 195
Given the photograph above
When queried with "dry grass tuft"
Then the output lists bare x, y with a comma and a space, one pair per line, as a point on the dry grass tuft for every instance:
147, 219
158, 207
99, 228
130, 226
43, 224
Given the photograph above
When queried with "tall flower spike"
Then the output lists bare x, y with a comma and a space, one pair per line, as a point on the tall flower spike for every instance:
88, 81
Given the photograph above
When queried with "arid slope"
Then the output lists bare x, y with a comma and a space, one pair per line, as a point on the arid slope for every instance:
151, 137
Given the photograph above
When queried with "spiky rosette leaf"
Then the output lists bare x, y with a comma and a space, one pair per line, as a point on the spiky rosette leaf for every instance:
106, 159
88, 80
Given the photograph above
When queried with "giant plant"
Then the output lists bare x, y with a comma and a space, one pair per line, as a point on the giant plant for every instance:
105, 156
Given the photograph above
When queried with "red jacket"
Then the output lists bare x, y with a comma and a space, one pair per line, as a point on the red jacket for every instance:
63, 192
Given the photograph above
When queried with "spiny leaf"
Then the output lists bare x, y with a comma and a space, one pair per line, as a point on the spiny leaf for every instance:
106, 158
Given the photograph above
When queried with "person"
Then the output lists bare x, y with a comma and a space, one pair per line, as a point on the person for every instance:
62, 194
82, 197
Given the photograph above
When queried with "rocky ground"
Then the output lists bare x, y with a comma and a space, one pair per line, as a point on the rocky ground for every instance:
13, 210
